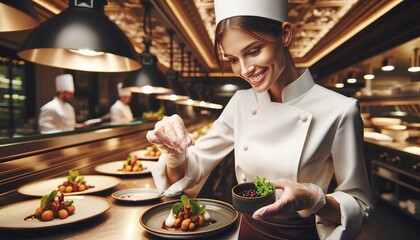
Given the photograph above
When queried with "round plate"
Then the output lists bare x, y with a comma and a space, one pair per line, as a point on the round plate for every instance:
112, 168
224, 214
136, 194
42, 187
141, 154
12, 216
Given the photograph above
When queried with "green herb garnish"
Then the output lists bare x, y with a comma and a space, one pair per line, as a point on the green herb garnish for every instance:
177, 208
264, 187
48, 198
194, 204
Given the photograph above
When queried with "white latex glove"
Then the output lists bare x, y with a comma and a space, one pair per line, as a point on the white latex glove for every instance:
304, 199
172, 139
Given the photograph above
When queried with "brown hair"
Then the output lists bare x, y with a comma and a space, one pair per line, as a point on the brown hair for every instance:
249, 24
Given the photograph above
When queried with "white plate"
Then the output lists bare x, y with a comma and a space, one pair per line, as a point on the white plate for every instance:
42, 187
12, 216
224, 214
136, 194
141, 154
112, 168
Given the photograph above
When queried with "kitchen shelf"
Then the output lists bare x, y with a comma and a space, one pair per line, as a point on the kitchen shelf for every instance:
389, 100
395, 205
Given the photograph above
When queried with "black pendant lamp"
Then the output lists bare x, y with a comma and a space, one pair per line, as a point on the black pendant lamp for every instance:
17, 15
81, 38
194, 98
149, 79
178, 90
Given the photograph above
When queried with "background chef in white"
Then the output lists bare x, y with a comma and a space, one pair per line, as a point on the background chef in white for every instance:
120, 110
58, 114
285, 128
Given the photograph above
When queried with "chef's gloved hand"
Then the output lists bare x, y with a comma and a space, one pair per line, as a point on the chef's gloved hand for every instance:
304, 199
172, 139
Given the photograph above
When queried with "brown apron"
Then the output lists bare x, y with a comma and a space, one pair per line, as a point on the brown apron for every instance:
294, 228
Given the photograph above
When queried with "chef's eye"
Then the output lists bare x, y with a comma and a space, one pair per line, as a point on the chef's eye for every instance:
233, 60
254, 52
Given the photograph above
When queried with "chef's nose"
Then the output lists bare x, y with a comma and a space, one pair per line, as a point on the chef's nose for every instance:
247, 71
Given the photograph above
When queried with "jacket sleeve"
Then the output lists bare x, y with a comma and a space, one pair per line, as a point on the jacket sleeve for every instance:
353, 191
202, 157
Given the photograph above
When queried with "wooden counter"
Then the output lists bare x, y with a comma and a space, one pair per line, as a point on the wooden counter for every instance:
120, 222
25, 162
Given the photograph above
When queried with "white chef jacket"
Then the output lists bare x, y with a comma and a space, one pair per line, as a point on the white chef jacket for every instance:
56, 116
121, 113
312, 135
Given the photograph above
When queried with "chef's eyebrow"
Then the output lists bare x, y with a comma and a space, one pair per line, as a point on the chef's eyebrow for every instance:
227, 55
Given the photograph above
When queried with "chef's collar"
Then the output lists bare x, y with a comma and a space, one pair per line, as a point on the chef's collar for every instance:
294, 90
299, 86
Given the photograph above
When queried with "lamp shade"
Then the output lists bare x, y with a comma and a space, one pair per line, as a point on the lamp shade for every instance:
149, 79
178, 90
17, 15
81, 38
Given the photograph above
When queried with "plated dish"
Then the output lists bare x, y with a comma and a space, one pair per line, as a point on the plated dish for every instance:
223, 213
141, 154
114, 168
42, 187
136, 194
13, 216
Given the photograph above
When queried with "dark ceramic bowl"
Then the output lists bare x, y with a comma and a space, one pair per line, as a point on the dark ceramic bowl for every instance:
249, 204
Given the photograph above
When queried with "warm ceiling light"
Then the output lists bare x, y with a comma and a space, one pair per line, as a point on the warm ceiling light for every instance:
17, 15
81, 38
414, 63
388, 64
351, 79
149, 79
339, 85
369, 73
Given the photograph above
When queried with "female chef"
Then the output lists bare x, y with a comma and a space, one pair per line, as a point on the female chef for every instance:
120, 110
285, 128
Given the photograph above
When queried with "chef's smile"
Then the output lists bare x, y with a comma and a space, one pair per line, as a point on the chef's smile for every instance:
257, 62
257, 78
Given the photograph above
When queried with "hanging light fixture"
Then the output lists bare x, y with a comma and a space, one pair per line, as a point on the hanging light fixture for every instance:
351, 79
17, 15
388, 64
414, 62
81, 38
369, 73
193, 99
178, 91
206, 94
149, 79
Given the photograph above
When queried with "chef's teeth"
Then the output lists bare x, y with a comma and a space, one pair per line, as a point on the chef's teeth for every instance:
254, 79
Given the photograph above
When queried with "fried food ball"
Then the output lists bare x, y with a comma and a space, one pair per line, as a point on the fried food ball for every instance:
63, 214
47, 215
191, 226
71, 209
62, 188
185, 224
69, 189
38, 213
82, 187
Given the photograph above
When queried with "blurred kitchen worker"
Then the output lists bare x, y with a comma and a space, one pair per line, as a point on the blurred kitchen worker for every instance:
58, 115
121, 111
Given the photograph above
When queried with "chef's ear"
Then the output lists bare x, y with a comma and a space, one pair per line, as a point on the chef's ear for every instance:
286, 34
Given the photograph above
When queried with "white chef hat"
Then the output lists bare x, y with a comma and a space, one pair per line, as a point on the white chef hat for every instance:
122, 92
64, 82
272, 9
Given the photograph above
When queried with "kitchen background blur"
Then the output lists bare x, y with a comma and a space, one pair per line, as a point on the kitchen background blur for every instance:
364, 49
